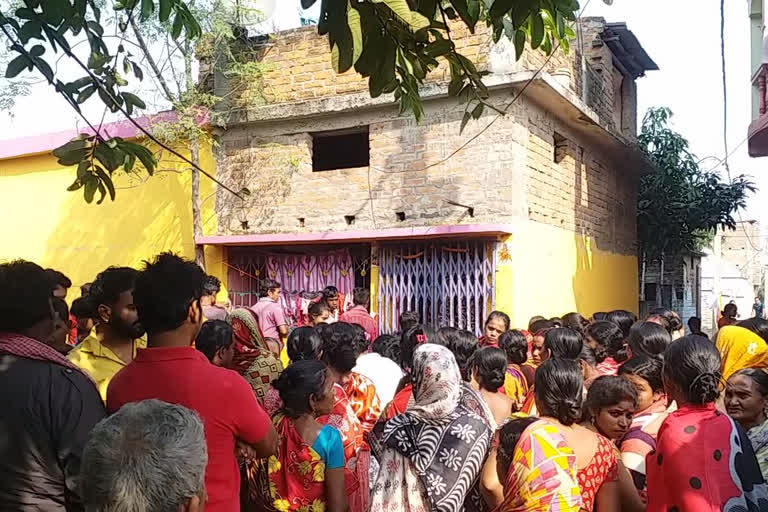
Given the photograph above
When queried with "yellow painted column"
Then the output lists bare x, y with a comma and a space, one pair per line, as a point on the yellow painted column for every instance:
374, 277
504, 276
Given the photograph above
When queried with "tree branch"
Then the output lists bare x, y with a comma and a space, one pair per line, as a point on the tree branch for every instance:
152, 64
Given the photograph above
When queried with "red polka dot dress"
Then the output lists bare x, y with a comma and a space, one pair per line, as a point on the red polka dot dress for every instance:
703, 463
602, 468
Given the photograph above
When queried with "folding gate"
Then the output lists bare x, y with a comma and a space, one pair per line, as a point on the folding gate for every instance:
449, 283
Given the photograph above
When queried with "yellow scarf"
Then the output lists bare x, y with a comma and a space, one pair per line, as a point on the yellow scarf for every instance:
740, 348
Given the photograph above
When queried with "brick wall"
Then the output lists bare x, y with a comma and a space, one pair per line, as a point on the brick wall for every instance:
298, 63
507, 174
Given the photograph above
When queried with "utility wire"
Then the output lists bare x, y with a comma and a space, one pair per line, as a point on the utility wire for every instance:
725, 119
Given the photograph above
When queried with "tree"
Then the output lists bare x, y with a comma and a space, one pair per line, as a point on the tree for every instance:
170, 64
680, 205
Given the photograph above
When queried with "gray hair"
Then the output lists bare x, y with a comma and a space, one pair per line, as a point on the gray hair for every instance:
150, 456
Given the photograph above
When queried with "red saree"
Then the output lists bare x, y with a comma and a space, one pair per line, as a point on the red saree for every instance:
297, 474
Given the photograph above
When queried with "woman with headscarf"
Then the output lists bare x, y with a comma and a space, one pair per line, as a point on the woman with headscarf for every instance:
431, 455
740, 348
253, 358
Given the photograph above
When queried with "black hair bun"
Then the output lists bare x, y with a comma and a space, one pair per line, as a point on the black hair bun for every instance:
568, 411
496, 379
706, 387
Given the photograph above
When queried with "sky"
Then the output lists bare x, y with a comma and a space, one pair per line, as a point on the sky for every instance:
681, 36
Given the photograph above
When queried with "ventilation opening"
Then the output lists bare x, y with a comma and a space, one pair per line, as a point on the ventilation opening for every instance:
350, 219
244, 224
340, 149
400, 216
301, 222
561, 148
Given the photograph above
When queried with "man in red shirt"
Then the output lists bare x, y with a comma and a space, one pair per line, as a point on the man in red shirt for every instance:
167, 297
358, 314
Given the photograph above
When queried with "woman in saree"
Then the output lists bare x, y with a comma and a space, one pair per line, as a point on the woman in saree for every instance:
432, 454
355, 410
703, 460
746, 398
253, 358
740, 348
537, 467
307, 474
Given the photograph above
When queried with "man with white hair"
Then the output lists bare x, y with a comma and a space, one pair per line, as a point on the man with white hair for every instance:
148, 456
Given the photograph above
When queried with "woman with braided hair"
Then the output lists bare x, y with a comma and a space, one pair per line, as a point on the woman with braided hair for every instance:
703, 460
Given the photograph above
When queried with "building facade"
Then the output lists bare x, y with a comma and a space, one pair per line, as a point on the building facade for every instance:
532, 214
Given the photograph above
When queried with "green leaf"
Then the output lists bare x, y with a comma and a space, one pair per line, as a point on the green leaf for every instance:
463, 10
75, 186
147, 8
102, 192
137, 72
44, 68
37, 50
177, 26
165, 10
438, 48
560, 26
82, 169
144, 155
401, 9
464, 121
16, 66
130, 160
25, 14
134, 100
353, 20
519, 42
107, 181
478, 111
96, 28
80, 83
31, 29
91, 185
85, 94
500, 8
306, 4
537, 30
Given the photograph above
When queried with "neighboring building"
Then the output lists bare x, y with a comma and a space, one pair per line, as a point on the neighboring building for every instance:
534, 216
44, 223
743, 247
721, 283
758, 128
680, 290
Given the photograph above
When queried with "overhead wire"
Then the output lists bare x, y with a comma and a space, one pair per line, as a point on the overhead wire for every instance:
483, 130
725, 120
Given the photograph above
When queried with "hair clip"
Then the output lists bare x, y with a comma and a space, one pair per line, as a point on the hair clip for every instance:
421, 338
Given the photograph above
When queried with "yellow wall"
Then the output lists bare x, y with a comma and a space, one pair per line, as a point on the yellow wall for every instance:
548, 271
44, 223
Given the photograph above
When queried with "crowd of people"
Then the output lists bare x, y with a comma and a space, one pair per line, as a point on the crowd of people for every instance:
150, 396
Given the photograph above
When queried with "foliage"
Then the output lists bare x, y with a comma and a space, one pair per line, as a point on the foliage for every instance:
45, 27
394, 43
680, 204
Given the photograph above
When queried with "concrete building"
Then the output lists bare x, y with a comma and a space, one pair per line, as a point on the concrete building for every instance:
533, 214
679, 290
744, 247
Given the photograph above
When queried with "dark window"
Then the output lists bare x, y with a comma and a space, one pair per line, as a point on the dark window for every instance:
560, 148
340, 149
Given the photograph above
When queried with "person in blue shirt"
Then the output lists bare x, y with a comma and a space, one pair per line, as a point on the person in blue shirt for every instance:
308, 471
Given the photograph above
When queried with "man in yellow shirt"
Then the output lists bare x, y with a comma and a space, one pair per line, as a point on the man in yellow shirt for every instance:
113, 343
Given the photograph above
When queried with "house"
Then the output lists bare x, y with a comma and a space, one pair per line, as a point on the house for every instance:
680, 289
533, 214
757, 134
